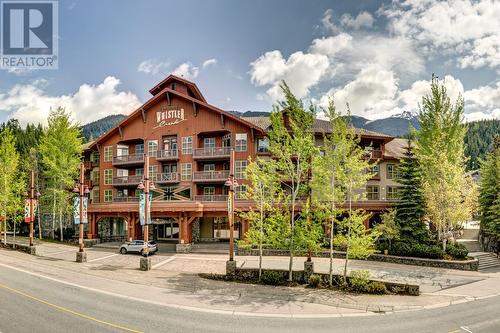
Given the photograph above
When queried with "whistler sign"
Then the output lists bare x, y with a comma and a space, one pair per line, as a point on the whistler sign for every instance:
169, 116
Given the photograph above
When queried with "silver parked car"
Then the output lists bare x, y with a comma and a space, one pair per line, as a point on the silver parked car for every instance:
137, 246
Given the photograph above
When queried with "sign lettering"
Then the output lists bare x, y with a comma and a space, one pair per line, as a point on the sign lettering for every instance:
167, 117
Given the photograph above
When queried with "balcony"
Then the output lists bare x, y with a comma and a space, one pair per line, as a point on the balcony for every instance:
210, 176
210, 198
88, 165
127, 180
126, 199
166, 178
212, 153
167, 155
129, 160
374, 154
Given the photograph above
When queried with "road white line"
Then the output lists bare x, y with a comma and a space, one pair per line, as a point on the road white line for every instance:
466, 329
161, 263
102, 258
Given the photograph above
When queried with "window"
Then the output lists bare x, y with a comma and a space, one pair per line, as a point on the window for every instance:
208, 190
375, 170
152, 147
392, 171
373, 192
95, 196
187, 145
139, 148
186, 169
121, 150
153, 170
108, 195
392, 193
121, 172
240, 169
139, 171
94, 176
94, 157
263, 145
241, 142
108, 153
226, 140
108, 176
209, 167
240, 192
209, 143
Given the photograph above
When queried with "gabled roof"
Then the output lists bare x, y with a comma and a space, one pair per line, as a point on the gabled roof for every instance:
174, 78
319, 126
161, 95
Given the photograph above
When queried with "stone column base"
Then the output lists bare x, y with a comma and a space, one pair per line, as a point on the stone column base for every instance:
81, 256
308, 270
183, 248
231, 268
145, 264
32, 250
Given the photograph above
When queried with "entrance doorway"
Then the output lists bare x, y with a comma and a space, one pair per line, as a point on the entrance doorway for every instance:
165, 229
221, 228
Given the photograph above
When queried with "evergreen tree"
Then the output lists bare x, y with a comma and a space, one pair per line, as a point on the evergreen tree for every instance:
489, 197
410, 207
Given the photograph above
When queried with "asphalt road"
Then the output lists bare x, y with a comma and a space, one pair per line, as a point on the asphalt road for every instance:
34, 304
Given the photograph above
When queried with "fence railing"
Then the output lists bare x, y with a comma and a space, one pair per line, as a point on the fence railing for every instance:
212, 152
211, 175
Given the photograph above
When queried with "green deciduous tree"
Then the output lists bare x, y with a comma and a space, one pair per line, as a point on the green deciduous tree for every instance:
61, 149
11, 182
265, 192
440, 148
388, 228
292, 145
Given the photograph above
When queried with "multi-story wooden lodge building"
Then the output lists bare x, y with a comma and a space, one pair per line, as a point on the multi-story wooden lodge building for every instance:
189, 144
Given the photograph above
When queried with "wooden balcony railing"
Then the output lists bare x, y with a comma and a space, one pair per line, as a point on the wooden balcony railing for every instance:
166, 155
88, 165
171, 177
127, 180
125, 199
208, 176
374, 154
128, 159
212, 153
211, 198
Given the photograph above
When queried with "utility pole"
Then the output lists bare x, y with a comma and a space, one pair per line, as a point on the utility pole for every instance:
82, 190
32, 200
145, 261
231, 183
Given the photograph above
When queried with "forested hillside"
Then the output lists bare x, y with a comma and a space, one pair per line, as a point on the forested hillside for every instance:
479, 140
93, 130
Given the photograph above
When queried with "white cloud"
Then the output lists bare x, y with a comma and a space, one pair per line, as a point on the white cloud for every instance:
469, 28
301, 71
151, 66
332, 45
327, 21
371, 94
364, 19
187, 71
483, 102
209, 62
30, 104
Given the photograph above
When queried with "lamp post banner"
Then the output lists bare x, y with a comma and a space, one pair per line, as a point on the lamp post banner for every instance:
142, 204
27, 212
76, 210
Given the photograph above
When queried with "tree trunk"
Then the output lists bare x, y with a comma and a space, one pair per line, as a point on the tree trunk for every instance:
61, 225
290, 265
330, 270
348, 233
54, 217
5, 229
261, 240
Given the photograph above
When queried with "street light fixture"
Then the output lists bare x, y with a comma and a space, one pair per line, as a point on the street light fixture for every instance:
231, 183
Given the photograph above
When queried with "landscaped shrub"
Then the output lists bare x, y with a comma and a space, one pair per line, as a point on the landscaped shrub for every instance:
359, 280
417, 250
376, 287
272, 278
457, 250
314, 280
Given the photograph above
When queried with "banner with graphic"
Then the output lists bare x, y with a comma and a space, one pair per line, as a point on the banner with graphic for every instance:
76, 210
27, 211
142, 204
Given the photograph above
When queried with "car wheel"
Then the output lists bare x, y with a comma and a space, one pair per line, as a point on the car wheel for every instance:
123, 250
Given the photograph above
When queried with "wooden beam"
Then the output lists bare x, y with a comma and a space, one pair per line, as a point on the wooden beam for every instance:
120, 129
252, 134
144, 115
168, 98
98, 148
222, 120
195, 109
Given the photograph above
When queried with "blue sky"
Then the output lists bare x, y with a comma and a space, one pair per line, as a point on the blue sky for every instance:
377, 56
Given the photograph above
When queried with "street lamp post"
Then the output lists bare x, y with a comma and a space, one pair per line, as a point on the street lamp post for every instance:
146, 185
82, 190
32, 197
231, 183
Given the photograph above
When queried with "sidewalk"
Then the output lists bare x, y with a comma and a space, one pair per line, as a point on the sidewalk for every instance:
174, 283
